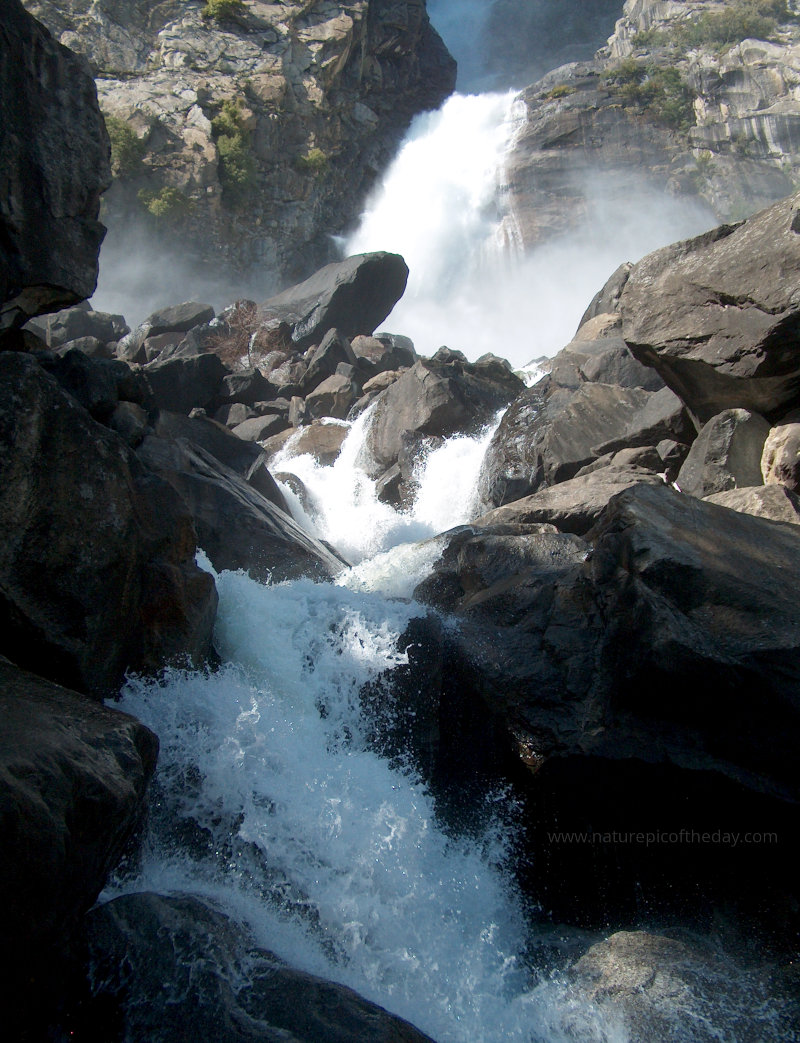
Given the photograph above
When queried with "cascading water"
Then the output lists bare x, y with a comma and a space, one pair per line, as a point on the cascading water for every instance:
443, 205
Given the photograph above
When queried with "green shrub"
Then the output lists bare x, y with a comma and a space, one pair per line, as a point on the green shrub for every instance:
661, 92
127, 148
219, 10
739, 21
313, 162
561, 90
237, 167
167, 205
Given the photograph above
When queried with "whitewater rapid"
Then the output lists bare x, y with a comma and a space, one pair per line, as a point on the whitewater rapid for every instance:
273, 801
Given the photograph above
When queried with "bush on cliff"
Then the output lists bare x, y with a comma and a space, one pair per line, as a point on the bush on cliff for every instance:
218, 10
237, 167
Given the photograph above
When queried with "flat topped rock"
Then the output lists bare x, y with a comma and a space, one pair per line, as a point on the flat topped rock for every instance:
179, 318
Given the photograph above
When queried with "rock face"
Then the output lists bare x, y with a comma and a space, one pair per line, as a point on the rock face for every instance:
54, 157
257, 135
97, 559
179, 969
666, 105
73, 777
718, 316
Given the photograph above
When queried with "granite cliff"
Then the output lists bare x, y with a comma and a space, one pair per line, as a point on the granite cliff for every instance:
253, 130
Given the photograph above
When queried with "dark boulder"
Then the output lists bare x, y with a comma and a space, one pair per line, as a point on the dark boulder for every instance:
73, 776
387, 351
259, 428
353, 296
718, 316
237, 527
54, 154
725, 455
437, 397
81, 322
181, 384
178, 318
177, 968
97, 383
97, 568
249, 386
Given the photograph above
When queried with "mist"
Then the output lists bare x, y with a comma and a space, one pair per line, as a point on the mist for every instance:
441, 207
140, 273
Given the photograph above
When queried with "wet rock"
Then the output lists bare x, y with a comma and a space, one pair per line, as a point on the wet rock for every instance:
353, 296
237, 527
175, 963
718, 315
653, 986
775, 502
725, 455
54, 154
73, 779
97, 558
436, 397
780, 461
322, 439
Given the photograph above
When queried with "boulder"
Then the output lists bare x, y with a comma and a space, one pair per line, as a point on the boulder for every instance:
54, 154
575, 505
237, 527
80, 322
243, 457
178, 318
780, 461
73, 777
353, 296
259, 428
332, 398
90, 346
775, 502
234, 414
130, 422
176, 967
643, 678
181, 384
249, 387
725, 455
608, 360
550, 433
387, 351
437, 397
333, 350
718, 316
322, 439
652, 986
97, 566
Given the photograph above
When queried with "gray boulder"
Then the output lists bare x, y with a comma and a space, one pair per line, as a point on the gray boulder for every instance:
180, 969
725, 455
575, 505
353, 296
97, 568
775, 502
54, 154
333, 350
79, 322
718, 316
178, 318
334, 397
